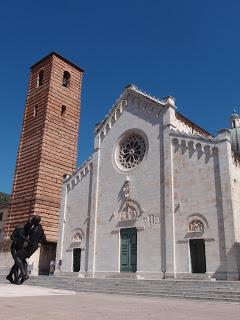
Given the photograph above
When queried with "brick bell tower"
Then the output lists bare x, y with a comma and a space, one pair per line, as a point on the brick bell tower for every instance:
47, 149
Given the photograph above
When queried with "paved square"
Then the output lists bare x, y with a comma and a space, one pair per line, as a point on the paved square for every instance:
39, 303
9, 291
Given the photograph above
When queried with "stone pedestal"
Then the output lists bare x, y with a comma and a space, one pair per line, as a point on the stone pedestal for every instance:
33, 263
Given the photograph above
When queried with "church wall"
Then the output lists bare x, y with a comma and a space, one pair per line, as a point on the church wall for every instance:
236, 197
236, 206
196, 197
229, 225
144, 190
181, 191
74, 224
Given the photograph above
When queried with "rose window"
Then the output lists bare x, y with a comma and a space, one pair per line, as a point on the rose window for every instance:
132, 151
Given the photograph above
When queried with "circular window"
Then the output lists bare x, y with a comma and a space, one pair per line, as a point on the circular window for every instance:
131, 151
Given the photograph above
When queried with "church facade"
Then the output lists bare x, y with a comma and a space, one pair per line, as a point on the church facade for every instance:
159, 197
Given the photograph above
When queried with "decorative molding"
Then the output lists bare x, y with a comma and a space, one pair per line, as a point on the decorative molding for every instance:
145, 102
187, 240
235, 160
104, 127
130, 210
194, 145
194, 135
77, 238
78, 175
151, 220
196, 226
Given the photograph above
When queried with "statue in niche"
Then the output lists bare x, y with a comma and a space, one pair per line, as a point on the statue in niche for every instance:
196, 226
129, 212
126, 189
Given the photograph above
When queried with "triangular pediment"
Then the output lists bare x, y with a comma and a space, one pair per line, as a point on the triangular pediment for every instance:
149, 105
131, 95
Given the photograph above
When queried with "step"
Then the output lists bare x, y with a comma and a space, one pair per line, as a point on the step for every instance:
125, 289
137, 286
181, 289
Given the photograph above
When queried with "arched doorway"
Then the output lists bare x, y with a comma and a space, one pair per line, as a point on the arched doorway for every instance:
77, 239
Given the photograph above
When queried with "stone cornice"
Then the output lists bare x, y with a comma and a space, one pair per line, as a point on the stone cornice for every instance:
124, 95
81, 172
182, 134
131, 93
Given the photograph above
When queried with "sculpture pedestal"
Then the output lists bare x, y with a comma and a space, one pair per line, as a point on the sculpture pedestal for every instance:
33, 263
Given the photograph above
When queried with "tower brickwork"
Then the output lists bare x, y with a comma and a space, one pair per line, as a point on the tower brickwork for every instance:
48, 143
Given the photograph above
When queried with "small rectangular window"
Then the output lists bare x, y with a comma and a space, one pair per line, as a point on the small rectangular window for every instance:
40, 78
63, 110
35, 111
1, 216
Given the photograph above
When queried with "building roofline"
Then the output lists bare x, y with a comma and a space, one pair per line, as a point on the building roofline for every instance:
193, 124
135, 89
53, 53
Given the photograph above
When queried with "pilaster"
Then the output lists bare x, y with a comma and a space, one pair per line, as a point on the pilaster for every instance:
167, 216
225, 159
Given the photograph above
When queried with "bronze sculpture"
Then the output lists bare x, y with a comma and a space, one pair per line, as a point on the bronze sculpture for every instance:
25, 241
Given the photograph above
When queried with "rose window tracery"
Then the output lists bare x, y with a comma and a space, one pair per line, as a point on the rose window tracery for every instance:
132, 151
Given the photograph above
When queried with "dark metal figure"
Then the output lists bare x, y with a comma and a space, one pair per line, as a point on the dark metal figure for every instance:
25, 243
19, 237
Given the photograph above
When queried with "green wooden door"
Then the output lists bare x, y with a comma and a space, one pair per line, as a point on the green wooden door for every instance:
128, 250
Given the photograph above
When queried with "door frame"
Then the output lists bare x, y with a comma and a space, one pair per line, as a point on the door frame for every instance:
190, 256
120, 248
80, 262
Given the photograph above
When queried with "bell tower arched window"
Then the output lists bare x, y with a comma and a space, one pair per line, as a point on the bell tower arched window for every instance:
40, 78
66, 79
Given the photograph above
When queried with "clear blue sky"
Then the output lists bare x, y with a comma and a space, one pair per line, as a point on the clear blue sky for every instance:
184, 48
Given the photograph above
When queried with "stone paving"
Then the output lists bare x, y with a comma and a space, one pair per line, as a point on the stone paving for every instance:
10, 291
36, 303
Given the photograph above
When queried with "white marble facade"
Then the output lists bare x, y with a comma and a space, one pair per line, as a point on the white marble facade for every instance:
156, 174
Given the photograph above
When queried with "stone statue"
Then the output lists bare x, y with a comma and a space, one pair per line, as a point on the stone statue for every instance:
25, 242
126, 189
